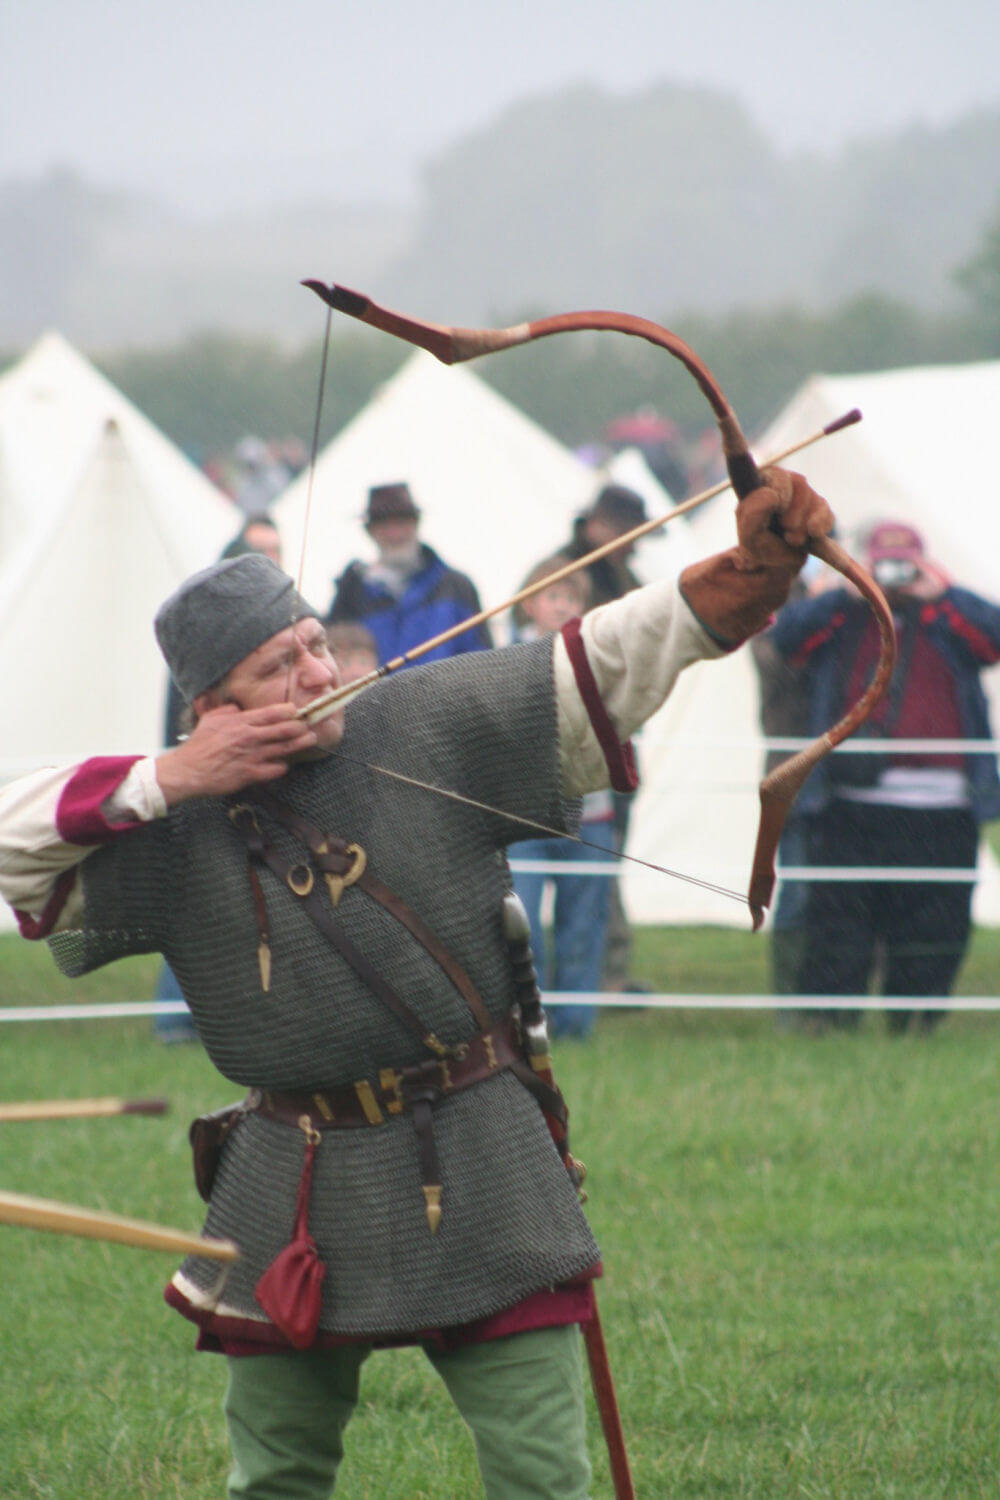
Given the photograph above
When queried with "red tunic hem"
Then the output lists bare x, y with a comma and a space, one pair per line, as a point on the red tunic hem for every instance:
570, 1302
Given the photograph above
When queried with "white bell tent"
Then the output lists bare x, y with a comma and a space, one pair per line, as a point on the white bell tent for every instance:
496, 491
103, 517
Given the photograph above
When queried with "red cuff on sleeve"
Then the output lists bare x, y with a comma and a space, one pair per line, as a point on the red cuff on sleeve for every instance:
620, 758
79, 819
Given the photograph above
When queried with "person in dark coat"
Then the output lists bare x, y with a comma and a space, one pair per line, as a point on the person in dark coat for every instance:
408, 594
915, 808
615, 511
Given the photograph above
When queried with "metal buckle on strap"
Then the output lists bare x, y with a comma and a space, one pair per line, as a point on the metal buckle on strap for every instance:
391, 1082
300, 879
243, 811
458, 1052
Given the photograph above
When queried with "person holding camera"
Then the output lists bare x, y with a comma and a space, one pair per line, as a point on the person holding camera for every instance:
914, 809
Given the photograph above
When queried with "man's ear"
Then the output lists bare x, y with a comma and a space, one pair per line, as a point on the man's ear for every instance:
210, 698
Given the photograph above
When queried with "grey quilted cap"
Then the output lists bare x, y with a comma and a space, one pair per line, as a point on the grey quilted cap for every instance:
218, 616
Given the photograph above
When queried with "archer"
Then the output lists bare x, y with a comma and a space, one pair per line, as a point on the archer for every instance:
391, 1177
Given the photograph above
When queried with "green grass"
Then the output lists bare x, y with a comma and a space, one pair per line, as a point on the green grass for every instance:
800, 1236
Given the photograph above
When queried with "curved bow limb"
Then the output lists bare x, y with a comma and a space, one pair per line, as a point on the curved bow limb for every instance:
455, 345
780, 787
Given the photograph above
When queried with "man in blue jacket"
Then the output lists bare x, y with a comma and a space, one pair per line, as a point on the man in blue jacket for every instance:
918, 809
408, 594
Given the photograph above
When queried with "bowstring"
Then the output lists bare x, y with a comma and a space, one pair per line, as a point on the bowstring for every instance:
313, 451
575, 838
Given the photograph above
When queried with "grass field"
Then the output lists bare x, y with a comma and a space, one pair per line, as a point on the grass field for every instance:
800, 1239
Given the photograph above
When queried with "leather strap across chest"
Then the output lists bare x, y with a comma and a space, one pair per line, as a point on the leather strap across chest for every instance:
344, 863
415, 1089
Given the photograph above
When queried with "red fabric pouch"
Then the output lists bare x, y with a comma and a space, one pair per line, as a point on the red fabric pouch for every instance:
290, 1290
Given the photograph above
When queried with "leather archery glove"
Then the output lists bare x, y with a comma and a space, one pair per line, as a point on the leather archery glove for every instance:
735, 593
775, 523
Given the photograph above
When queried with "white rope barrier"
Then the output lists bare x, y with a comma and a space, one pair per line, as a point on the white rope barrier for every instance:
897, 874
110, 1011
12, 767
119, 1009
853, 746
777, 1002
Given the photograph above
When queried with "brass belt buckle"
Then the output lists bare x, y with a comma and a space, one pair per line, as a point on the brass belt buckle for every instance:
390, 1082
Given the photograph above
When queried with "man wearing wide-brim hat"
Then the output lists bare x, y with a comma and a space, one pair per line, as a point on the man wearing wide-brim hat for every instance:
407, 594
390, 1177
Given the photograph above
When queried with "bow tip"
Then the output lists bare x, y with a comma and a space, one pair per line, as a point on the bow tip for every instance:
759, 897
340, 298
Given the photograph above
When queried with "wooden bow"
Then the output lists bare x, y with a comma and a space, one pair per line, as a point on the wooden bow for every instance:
456, 345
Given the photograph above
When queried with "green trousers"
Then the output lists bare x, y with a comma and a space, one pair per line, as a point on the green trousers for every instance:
522, 1398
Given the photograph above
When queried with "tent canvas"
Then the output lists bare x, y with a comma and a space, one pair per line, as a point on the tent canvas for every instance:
921, 453
105, 517
54, 406
495, 490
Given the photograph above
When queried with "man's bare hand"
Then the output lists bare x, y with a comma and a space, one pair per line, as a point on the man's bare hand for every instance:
231, 748
775, 524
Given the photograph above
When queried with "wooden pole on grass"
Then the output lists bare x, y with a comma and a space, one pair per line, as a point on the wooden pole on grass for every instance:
65, 1218
79, 1109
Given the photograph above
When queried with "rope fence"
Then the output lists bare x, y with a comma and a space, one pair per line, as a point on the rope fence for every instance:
12, 766
125, 1009
610, 869
898, 874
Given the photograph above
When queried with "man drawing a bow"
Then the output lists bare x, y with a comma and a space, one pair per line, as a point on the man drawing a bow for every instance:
391, 1177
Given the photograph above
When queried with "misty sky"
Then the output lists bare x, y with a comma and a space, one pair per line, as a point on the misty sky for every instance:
212, 103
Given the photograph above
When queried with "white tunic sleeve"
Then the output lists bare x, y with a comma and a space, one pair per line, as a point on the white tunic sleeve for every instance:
636, 648
51, 820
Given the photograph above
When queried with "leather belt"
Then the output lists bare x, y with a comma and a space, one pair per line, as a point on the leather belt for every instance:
396, 1090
